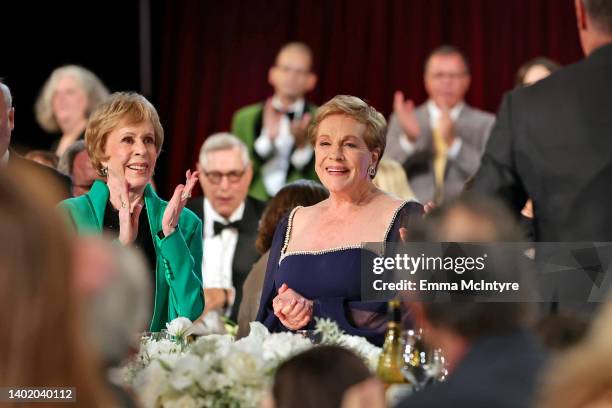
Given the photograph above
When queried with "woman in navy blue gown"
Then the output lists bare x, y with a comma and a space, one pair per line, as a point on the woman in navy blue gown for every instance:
314, 269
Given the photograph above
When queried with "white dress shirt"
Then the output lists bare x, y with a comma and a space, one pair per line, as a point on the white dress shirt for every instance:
434, 117
279, 151
219, 249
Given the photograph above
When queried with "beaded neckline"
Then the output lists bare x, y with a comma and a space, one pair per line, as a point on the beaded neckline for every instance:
284, 253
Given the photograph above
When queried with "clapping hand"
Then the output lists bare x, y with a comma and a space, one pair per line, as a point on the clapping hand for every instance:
177, 203
292, 309
299, 130
404, 111
271, 119
129, 211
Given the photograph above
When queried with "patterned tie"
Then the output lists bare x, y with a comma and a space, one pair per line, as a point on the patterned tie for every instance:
439, 164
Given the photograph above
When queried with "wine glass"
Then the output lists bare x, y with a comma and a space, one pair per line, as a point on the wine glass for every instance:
415, 359
436, 365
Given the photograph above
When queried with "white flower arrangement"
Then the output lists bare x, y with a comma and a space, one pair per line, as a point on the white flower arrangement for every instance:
217, 371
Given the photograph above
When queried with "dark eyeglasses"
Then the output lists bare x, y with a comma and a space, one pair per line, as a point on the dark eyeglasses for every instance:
215, 177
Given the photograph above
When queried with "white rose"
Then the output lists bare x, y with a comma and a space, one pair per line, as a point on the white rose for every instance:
280, 346
244, 368
179, 326
218, 344
150, 384
214, 381
257, 331
184, 372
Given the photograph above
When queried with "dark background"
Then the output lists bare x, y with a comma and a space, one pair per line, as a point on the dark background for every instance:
208, 58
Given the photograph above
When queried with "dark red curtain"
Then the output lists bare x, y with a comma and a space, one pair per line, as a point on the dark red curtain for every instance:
215, 55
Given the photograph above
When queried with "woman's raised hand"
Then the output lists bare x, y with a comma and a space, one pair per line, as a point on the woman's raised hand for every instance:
292, 309
129, 211
177, 203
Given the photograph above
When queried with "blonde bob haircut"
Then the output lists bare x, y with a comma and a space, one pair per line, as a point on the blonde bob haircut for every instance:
88, 81
121, 109
375, 135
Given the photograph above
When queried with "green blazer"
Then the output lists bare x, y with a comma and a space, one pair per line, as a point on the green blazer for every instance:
178, 271
246, 125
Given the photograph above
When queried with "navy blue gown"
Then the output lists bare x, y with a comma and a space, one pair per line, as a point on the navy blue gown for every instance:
331, 279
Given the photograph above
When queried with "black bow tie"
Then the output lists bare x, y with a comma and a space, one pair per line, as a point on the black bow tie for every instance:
218, 227
289, 114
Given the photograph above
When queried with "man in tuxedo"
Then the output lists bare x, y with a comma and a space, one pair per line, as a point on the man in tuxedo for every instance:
440, 142
275, 130
10, 159
493, 358
230, 219
552, 141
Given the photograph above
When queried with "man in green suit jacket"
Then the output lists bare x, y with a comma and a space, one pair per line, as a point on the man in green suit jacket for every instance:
276, 131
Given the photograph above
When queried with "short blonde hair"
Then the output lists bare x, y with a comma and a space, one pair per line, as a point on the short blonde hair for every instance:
88, 81
122, 108
375, 135
391, 178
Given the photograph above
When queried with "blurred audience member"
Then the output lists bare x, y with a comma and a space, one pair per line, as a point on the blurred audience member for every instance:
534, 70
439, 143
230, 218
8, 157
75, 163
492, 358
529, 73
317, 378
582, 377
300, 192
561, 331
43, 342
275, 130
113, 281
43, 157
314, 266
551, 142
67, 98
124, 138
391, 178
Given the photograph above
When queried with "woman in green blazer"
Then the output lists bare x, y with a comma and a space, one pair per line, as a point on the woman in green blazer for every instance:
124, 138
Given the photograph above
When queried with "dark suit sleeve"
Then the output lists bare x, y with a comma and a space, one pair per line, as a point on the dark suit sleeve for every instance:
266, 314
498, 173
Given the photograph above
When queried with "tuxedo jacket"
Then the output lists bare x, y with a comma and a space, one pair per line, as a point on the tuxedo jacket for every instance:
553, 143
498, 371
245, 254
247, 124
472, 127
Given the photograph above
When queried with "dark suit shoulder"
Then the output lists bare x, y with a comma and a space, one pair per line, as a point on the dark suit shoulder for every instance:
258, 206
196, 204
